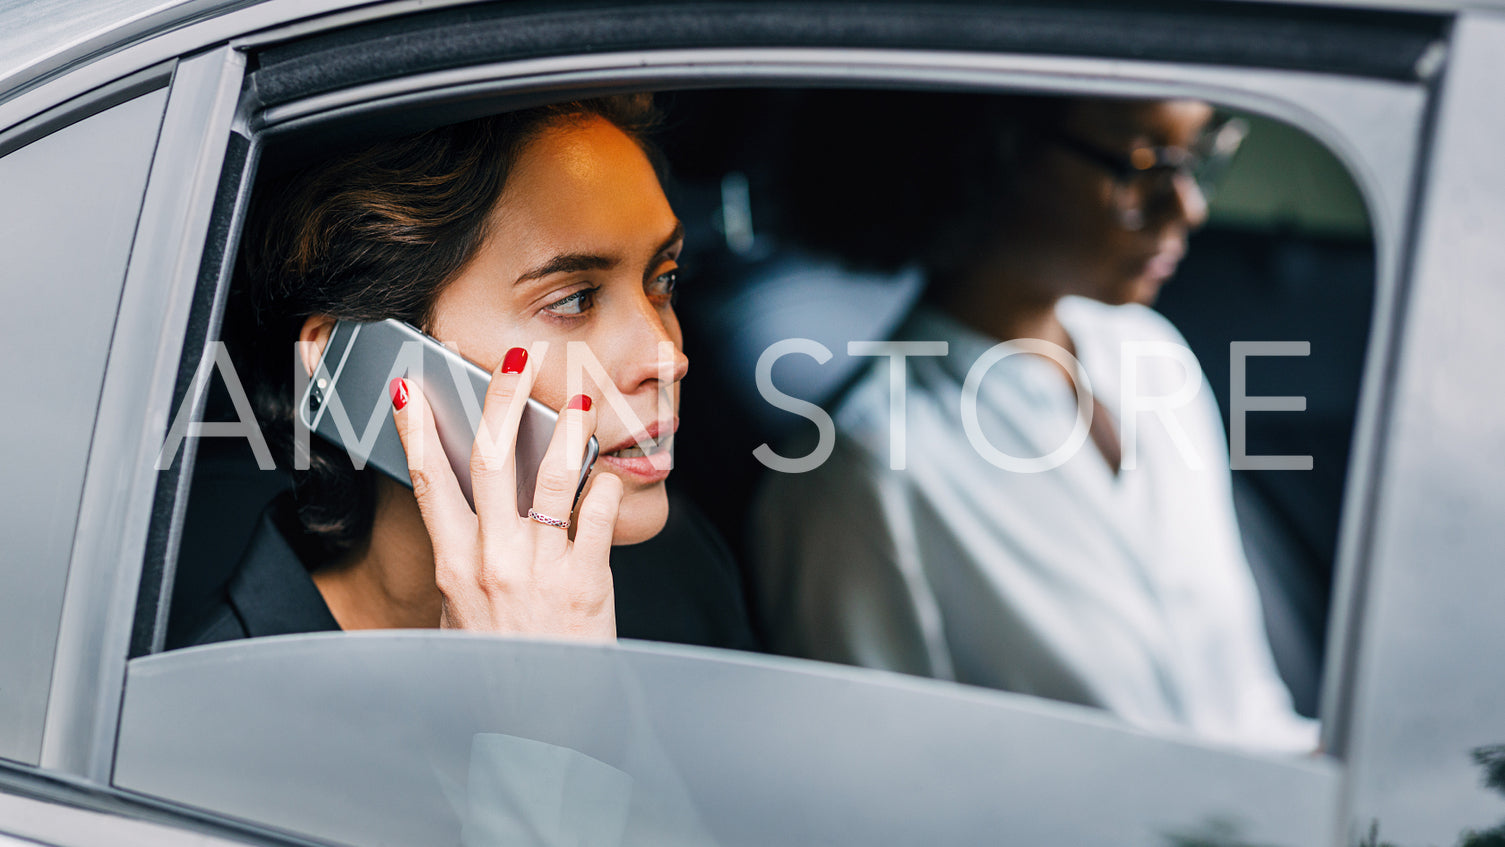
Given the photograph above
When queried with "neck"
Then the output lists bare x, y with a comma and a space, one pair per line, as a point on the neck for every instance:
388, 583
1005, 302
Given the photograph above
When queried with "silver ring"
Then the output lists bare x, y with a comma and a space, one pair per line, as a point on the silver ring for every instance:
548, 521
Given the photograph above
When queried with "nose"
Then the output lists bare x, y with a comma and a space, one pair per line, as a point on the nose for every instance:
1191, 203
654, 358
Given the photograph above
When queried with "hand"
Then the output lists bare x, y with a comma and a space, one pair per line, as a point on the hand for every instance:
499, 572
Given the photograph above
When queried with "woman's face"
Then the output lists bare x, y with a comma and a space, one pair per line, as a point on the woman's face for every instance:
581, 248
1069, 225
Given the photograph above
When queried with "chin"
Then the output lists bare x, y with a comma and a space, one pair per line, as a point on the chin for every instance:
643, 515
1143, 290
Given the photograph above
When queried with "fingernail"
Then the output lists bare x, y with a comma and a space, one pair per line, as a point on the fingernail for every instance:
581, 402
399, 393
515, 361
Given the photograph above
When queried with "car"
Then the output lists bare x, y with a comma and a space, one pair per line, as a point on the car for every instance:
132, 139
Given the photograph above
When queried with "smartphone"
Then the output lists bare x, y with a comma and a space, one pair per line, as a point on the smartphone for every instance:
348, 402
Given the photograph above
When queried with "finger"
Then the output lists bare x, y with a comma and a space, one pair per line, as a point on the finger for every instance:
493, 475
559, 473
450, 522
597, 522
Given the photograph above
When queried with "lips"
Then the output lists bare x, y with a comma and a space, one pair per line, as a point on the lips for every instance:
1163, 263
647, 457
1161, 266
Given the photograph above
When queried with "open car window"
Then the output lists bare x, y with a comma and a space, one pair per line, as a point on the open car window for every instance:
437, 737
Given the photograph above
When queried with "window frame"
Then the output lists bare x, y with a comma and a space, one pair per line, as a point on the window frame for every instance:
150, 328
1420, 693
135, 93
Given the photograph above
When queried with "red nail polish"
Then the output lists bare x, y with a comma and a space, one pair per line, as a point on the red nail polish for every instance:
581, 402
515, 361
399, 394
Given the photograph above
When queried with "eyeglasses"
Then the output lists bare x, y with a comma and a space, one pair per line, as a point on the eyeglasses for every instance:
1144, 178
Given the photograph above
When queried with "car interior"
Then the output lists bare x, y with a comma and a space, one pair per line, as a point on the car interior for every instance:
1287, 255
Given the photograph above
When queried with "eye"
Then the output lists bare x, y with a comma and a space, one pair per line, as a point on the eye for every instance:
576, 304
664, 285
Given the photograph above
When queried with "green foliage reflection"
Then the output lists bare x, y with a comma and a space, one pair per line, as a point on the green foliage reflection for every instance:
1490, 758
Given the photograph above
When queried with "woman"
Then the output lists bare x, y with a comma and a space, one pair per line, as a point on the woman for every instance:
1110, 575
513, 238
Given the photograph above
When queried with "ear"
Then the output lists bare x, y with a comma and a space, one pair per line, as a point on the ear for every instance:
312, 338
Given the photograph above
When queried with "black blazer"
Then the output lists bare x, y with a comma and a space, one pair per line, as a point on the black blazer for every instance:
680, 586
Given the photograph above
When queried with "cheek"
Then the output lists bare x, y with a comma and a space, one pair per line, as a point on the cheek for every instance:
1121, 247
1098, 219
483, 329
1073, 220
551, 386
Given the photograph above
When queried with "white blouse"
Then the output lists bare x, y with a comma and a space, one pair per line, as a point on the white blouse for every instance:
1128, 592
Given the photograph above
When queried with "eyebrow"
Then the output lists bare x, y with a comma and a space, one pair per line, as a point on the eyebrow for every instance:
678, 233
575, 262
675, 235
569, 262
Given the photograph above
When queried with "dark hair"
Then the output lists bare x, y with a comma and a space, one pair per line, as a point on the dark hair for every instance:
373, 234
882, 180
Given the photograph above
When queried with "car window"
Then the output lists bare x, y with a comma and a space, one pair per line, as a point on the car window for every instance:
757, 280
444, 738
67, 217
1285, 239
414, 767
